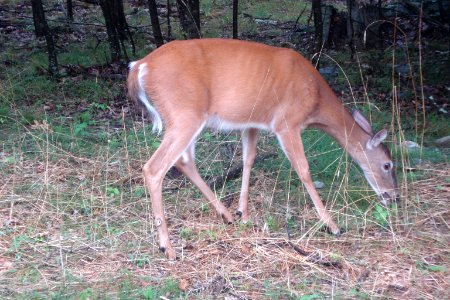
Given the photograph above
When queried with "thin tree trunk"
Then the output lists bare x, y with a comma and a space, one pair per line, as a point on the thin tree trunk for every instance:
350, 32
194, 6
443, 13
38, 17
69, 10
116, 28
380, 26
235, 18
318, 24
124, 29
189, 14
153, 9
169, 25
107, 7
42, 26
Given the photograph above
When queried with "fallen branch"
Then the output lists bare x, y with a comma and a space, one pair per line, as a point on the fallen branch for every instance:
314, 258
311, 257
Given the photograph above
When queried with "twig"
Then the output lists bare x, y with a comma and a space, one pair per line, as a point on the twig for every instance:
298, 18
311, 257
314, 258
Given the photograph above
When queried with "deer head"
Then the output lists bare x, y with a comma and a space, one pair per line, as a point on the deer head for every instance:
376, 163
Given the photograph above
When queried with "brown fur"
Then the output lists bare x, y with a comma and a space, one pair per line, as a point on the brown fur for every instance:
247, 86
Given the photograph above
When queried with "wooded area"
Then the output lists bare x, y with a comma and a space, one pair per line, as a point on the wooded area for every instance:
364, 23
76, 216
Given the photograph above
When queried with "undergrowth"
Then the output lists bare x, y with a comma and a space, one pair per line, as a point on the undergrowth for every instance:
76, 217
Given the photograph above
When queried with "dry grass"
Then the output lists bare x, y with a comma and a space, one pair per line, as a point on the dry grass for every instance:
65, 234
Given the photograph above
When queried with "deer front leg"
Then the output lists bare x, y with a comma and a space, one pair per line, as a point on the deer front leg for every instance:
186, 165
292, 145
249, 140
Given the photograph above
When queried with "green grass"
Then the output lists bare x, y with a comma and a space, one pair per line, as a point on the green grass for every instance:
283, 12
219, 16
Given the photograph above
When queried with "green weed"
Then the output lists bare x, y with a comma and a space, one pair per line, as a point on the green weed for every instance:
421, 265
310, 297
358, 294
140, 260
112, 191
186, 233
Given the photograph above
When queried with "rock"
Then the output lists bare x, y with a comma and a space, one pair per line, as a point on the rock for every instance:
266, 21
410, 145
319, 184
329, 73
443, 142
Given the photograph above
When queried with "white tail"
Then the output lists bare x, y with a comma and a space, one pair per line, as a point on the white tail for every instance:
228, 84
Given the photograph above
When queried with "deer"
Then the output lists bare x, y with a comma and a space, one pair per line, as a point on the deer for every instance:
223, 84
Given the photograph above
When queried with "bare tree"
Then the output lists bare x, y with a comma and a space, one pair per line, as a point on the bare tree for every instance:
42, 29
69, 10
318, 23
169, 26
116, 28
350, 30
235, 18
38, 17
153, 9
189, 14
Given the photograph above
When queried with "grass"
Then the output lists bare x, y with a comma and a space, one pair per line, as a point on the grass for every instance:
85, 209
76, 217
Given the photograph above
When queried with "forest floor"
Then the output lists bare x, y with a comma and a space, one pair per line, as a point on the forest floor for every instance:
75, 217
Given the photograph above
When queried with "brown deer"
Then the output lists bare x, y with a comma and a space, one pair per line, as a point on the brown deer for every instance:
187, 86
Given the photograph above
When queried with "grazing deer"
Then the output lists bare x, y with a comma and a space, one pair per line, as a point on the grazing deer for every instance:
187, 86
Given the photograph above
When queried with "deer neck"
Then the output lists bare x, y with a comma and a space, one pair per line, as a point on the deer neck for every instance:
340, 124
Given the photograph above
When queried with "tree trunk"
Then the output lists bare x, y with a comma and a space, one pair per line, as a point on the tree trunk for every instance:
318, 24
169, 26
189, 14
38, 17
380, 26
116, 28
124, 30
107, 7
153, 9
443, 13
350, 32
42, 27
69, 10
235, 18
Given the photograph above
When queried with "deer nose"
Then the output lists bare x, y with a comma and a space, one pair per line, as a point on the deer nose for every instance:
387, 198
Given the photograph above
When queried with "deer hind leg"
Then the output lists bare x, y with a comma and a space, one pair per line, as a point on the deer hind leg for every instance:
249, 140
293, 148
174, 144
186, 165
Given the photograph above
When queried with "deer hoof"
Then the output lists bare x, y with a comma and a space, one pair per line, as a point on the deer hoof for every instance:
335, 231
243, 216
227, 218
169, 252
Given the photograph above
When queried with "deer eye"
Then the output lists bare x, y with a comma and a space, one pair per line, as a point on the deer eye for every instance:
387, 166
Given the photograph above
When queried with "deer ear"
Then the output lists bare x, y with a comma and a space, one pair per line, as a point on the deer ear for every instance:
377, 139
362, 121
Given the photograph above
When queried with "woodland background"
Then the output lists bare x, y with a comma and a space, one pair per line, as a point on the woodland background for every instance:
75, 216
